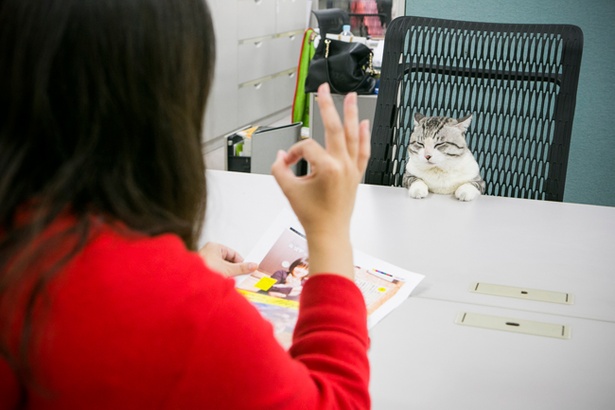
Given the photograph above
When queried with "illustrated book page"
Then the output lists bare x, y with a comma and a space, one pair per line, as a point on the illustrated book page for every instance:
283, 259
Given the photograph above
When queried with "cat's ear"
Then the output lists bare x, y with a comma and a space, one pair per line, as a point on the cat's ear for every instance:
464, 123
418, 117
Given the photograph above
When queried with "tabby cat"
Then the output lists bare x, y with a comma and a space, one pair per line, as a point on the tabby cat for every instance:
439, 160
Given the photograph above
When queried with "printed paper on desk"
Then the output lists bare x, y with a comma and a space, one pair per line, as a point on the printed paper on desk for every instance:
275, 291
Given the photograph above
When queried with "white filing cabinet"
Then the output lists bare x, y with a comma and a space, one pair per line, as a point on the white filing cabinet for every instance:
258, 45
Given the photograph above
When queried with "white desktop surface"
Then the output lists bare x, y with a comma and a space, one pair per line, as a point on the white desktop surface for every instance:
515, 242
420, 358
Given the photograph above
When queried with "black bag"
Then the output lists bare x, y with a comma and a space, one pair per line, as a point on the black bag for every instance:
347, 67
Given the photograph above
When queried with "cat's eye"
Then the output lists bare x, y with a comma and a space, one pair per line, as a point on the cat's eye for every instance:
418, 144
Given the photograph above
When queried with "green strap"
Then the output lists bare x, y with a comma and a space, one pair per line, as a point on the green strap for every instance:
301, 102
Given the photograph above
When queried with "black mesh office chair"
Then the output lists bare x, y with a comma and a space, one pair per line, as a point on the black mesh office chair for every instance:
518, 80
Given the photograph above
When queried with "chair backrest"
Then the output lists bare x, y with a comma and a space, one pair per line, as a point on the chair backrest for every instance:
519, 81
331, 20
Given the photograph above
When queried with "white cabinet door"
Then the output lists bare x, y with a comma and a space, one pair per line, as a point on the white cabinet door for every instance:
291, 16
256, 58
256, 18
221, 113
256, 100
286, 48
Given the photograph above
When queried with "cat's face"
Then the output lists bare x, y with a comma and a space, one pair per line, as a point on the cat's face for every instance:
436, 140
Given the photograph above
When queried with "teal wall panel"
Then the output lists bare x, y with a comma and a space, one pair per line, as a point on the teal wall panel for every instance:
591, 166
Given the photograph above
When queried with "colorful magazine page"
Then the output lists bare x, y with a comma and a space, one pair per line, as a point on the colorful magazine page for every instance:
283, 259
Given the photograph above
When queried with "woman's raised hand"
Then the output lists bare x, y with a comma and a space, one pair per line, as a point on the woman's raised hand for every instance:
324, 199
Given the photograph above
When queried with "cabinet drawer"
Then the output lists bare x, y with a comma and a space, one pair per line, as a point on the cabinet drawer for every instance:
292, 15
255, 100
263, 97
284, 84
256, 58
256, 18
286, 49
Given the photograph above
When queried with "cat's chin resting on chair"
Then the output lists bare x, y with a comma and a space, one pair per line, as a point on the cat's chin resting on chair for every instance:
439, 160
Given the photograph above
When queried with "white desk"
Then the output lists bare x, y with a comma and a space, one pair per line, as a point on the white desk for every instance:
420, 357
523, 243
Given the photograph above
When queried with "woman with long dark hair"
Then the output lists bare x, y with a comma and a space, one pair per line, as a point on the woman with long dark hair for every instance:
104, 300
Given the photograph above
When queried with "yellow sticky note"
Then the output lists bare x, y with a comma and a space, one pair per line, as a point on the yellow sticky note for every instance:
265, 283
382, 289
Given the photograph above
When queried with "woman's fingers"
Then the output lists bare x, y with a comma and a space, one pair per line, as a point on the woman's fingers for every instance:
350, 138
351, 125
307, 149
334, 140
347, 148
364, 145
281, 171
225, 260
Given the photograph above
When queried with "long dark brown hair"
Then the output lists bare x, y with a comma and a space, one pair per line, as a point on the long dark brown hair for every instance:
101, 109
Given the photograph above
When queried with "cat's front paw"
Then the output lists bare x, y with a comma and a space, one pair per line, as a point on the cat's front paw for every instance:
418, 190
466, 192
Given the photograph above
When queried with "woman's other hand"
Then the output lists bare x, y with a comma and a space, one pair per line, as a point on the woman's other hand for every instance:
225, 260
324, 200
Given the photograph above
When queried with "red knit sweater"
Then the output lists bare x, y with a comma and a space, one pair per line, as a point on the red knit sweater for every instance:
141, 323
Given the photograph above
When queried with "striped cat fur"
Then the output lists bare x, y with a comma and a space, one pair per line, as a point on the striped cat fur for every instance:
439, 160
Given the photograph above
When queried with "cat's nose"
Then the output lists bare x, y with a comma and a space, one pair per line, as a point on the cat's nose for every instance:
427, 157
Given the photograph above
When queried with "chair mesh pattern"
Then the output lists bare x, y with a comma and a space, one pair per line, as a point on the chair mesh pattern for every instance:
518, 81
